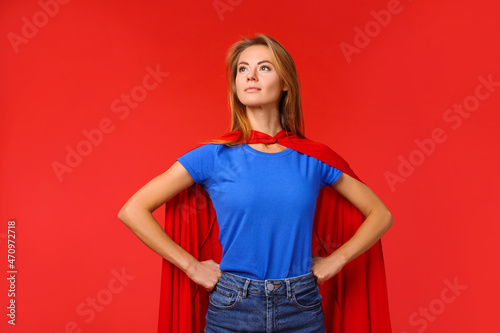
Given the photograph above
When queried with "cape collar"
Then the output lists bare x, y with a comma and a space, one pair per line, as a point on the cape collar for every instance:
260, 137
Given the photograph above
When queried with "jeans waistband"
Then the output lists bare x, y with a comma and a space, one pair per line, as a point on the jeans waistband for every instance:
267, 287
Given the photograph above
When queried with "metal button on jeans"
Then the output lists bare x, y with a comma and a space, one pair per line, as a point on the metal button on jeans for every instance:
270, 287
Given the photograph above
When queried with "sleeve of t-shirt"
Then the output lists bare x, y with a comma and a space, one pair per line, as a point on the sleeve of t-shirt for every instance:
329, 174
199, 162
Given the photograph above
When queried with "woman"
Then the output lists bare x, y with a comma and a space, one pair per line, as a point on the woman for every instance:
263, 184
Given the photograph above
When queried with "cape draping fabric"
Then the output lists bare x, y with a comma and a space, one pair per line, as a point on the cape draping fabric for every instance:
354, 301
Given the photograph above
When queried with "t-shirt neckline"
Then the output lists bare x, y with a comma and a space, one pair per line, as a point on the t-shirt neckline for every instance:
258, 152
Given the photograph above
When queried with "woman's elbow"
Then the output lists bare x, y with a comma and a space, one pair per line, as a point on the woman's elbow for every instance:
389, 219
384, 217
124, 213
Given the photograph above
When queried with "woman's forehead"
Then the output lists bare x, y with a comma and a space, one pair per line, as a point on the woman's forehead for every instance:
255, 53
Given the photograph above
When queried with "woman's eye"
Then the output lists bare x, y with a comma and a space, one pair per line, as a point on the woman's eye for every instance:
264, 67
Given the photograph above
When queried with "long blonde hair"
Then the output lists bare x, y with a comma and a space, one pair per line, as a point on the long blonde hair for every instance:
290, 104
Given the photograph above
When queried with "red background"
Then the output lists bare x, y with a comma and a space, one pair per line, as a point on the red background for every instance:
61, 77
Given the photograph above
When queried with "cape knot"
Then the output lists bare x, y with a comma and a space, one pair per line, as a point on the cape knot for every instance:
259, 137
263, 140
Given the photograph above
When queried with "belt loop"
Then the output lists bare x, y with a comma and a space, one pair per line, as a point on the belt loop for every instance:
245, 287
288, 289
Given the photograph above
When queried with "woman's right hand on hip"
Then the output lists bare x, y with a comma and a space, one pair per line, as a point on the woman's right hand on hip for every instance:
205, 273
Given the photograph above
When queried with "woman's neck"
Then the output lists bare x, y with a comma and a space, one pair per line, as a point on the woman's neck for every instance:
265, 120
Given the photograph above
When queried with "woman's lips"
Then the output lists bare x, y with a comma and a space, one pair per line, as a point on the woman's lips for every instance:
249, 90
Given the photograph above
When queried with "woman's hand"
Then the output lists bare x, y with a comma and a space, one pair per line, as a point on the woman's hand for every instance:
205, 273
323, 268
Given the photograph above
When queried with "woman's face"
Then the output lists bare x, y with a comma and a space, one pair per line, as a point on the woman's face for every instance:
255, 69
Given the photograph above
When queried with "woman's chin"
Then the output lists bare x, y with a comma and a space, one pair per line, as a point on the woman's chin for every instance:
254, 104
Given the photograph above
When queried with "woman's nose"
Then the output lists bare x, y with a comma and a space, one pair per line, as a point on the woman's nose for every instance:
251, 75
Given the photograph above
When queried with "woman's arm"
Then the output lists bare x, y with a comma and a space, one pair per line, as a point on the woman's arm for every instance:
378, 221
137, 216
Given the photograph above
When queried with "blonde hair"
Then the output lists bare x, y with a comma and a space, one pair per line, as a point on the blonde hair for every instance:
290, 104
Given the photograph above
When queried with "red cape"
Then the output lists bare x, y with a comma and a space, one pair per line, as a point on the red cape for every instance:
354, 301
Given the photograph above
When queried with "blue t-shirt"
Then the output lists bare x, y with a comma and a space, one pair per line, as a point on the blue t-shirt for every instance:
265, 204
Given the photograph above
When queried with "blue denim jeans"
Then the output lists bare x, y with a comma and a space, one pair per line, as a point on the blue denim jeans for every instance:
239, 304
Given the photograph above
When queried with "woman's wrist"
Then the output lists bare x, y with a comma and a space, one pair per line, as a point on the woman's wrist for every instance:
189, 265
338, 257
